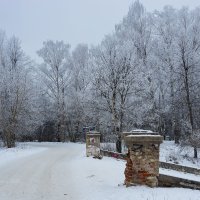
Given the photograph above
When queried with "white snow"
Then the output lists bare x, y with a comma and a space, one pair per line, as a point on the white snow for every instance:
20, 151
103, 179
170, 152
141, 131
180, 174
143, 136
63, 171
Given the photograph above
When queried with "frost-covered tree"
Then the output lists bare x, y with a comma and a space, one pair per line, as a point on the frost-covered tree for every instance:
16, 91
143, 75
116, 79
79, 93
188, 51
178, 54
165, 30
55, 73
137, 30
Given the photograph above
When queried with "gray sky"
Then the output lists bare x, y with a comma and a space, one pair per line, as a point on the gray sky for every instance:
74, 21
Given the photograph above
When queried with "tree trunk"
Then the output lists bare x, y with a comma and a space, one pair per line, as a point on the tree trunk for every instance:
114, 114
195, 152
189, 105
9, 139
58, 133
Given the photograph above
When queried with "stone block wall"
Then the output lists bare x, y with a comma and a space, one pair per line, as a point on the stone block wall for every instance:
180, 168
142, 165
170, 181
113, 154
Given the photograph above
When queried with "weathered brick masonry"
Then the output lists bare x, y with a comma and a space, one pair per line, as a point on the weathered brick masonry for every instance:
142, 165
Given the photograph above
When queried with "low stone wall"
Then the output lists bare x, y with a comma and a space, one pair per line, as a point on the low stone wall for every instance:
164, 165
170, 181
113, 154
180, 168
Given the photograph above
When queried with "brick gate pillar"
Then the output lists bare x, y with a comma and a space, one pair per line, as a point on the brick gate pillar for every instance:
93, 143
143, 160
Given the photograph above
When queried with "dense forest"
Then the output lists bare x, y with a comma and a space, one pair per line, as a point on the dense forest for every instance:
146, 74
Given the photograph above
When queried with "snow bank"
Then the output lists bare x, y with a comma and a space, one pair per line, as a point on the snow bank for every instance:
172, 153
180, 174
22, 150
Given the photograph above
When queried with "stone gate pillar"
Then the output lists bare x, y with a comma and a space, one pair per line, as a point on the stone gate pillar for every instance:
142, 165
93, 143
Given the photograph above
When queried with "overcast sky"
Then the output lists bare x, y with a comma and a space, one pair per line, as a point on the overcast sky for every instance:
74, 21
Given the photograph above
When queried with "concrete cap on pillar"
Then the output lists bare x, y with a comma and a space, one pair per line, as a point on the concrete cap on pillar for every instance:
93, 133
143, 139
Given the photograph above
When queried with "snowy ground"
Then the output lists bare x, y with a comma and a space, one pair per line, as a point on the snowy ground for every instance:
22, 150
173, 153
62, 171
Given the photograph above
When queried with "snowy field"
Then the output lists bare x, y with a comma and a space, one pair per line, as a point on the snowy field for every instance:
52, 171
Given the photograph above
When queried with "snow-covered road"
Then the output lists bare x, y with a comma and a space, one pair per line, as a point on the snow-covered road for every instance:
44, 175
62, 172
